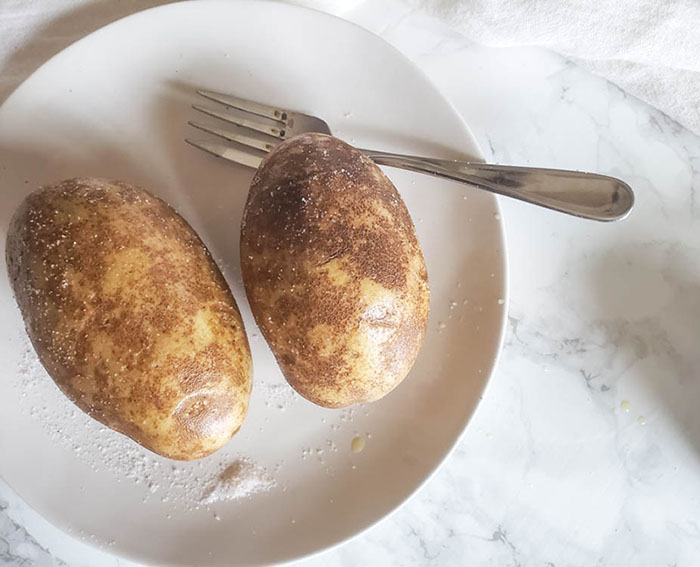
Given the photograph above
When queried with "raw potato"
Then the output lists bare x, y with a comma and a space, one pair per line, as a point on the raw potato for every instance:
333, 271
130, 315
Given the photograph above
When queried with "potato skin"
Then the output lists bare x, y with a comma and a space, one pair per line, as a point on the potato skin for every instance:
333, 271
130, 315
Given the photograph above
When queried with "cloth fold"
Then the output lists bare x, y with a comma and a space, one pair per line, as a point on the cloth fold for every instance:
649, 48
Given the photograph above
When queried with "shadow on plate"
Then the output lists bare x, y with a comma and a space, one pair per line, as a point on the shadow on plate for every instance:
209, 193
60, 32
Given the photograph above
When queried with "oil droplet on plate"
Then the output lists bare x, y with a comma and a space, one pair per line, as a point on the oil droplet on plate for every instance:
625, 405
357, 444
642, 420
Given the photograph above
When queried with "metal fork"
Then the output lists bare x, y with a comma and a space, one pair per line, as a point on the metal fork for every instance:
255, 129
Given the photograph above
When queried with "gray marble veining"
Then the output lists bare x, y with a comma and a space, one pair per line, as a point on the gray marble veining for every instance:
18, 548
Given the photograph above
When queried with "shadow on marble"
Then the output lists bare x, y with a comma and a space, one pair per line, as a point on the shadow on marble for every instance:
653, 292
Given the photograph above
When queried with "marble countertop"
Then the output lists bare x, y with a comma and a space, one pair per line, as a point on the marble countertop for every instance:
586, 447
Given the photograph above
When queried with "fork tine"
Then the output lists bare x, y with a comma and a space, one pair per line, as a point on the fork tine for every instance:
247, 105
233, 136
227, 152
274, 131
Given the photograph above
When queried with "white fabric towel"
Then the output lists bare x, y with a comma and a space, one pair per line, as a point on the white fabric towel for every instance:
650, 48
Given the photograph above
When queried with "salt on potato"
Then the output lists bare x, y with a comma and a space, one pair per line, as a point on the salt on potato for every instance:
130, 315
333, 271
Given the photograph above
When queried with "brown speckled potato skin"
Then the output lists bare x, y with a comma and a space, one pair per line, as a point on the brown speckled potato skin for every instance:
333, 271
130, 315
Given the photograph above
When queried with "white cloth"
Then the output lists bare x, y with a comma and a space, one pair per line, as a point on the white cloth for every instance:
650, 48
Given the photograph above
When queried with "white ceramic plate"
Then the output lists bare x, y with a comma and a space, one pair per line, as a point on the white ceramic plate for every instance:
115, 105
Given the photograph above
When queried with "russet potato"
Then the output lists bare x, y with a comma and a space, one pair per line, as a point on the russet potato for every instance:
130, 315
333, 271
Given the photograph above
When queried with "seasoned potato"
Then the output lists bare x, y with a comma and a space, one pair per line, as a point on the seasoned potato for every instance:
130, 315
333, 271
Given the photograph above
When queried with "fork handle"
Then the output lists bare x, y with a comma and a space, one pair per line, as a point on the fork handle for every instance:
585, 195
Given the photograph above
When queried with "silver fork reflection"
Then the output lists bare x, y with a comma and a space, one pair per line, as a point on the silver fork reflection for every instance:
252, 130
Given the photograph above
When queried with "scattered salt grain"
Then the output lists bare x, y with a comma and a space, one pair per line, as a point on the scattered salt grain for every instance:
279, 395
241, 479
183, 485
